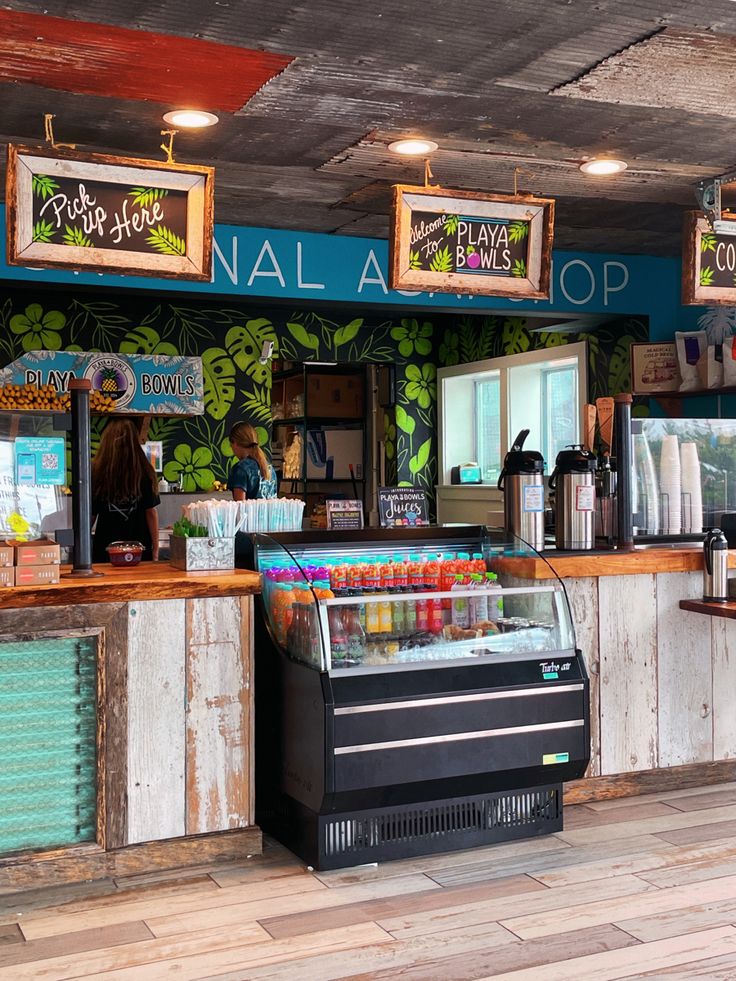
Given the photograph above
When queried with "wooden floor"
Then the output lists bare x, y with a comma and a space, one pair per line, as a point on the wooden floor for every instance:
641, 887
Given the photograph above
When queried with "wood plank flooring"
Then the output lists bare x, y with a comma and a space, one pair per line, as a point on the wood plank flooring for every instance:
631, 889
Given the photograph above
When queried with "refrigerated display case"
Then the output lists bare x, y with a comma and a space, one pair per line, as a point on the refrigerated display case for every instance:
403, 707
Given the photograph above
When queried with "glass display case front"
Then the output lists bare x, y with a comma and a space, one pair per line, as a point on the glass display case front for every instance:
385, 605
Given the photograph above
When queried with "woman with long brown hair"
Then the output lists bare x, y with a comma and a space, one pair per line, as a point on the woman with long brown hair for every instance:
252, 476
124, 491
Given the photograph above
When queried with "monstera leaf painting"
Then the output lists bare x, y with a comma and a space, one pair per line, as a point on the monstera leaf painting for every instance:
219, 382
244, 344
146, 340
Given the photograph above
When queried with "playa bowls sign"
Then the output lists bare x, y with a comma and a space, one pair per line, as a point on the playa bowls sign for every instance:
108, 214
462, 242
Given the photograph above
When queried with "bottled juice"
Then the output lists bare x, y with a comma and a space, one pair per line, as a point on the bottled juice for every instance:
385, 607
464, 563
479, 603
432, 584
460, 605
338, 634
447, 578
478, 563
355, 633
495, 600
417, 585
282, 610
408, 615
339, 580
355, 579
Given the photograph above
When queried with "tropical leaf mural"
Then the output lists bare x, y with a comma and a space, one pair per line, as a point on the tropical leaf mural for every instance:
43, 187
442, 260
218, 372
73, 235
244, 344
143, 197
163, 240
43, 231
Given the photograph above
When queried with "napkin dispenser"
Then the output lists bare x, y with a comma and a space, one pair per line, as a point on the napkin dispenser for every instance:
466, 473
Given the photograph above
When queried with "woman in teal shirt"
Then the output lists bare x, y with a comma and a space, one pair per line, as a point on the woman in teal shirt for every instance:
252, 476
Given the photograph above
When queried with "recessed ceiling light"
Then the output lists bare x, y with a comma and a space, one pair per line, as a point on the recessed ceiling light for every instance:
412, 147
190, 118
603, 166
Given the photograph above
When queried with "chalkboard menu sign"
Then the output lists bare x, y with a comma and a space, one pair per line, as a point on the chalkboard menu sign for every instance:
463, 242
344, 514
402, 507
708, 263
111, 214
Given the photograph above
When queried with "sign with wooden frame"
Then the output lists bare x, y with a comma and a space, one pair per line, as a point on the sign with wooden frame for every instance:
450, 241
108, 214
708, 263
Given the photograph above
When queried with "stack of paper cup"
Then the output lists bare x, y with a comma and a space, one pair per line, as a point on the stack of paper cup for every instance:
692, 493
670, 486
646, 489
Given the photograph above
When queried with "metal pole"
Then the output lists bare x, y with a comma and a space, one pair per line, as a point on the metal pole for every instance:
624, 465
79, 389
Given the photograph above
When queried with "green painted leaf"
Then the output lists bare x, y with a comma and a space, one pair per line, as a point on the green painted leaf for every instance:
145, 340
442, 261
404, 421
419, 461
258, 403
706, 276
43, 231
302, 336
415, 261
619, 367
518, 230
145, 196
343, 335
163, 240
43, 187
405, 483
244, 344
515, 335
76, 237
219, 382
707, 242
519, 269
451, 224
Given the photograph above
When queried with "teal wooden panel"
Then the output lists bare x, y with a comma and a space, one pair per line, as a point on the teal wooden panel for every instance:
48, 763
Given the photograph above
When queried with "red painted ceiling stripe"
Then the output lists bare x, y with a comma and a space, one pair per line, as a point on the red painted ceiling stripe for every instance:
96, 59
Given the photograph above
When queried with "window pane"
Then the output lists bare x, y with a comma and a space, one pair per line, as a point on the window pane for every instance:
488, 428
561, 410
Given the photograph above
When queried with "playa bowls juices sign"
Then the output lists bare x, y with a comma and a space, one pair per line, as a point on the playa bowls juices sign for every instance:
109, 214
461, 242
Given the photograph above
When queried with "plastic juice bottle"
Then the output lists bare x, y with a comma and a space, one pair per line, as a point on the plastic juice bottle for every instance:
495, 599
479, 563
397, 584
408, 615
385, 610
295, 632
355, 634
339, 580
464, 563
432, 583
479, 603
447, 578
416, 585
282, 610
338, 634
460, 605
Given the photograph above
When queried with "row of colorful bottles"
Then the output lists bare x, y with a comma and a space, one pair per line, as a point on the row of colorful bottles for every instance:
486, 606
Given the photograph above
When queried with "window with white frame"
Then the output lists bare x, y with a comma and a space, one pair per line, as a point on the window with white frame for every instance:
484, 405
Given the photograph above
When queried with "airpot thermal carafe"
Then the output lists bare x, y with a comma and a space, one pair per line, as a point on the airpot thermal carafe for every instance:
522, 483
573, 484
715, 566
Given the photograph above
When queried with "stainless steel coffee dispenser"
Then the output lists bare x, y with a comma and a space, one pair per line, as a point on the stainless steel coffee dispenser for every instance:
573, 484
715, 566
522, 483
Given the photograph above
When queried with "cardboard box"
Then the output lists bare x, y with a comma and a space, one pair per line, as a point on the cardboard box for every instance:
330, 451
7, 555
36, 575
41, 552
7, 577
335, 396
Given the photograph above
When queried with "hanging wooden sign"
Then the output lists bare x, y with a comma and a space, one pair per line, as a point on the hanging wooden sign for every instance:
708, 263
464, 242
108, 214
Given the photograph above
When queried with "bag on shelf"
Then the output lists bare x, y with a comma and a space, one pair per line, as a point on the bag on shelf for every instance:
691, 346
729, 362
710, 367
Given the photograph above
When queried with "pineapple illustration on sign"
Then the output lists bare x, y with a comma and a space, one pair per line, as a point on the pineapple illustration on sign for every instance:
110, 384
113, 377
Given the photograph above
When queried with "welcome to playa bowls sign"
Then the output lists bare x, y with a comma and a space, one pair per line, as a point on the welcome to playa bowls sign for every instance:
463, 242
109, 214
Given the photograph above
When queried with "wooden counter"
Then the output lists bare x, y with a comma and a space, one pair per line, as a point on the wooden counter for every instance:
170, 765
147, 581
577, 565
727, 610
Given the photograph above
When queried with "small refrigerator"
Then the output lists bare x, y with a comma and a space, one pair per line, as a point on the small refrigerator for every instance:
414, 693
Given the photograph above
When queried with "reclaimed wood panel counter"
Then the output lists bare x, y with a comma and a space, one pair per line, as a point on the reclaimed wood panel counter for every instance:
660, 678
174, 739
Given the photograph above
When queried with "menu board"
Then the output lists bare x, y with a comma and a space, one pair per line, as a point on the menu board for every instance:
113, 214
708, 263
467, 242
402, 507
344, 514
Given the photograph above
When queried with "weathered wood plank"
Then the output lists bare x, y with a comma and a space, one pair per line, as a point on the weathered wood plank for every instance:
583, 597
685, 690
156, 731
624, 786
218, 757
673, 923
675, 821
74, 943
113, 723
723, 640
628, 665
